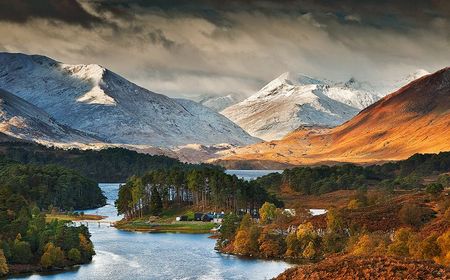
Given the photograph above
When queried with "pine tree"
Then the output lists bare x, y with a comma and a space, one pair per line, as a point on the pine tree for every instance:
155, 202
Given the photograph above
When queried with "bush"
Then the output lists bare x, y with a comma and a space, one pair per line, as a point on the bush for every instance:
74, 255
412, 215
434, 188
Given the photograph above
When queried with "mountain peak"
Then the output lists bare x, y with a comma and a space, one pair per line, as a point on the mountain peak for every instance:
92, 99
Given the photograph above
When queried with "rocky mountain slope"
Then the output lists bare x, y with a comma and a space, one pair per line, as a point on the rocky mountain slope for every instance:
22, 120
290, 101
97, 101
219, 103
414, 119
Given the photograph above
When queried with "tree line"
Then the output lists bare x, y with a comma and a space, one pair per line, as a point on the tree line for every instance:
106, 165
404, 174
204, 187
46, 185
278, 234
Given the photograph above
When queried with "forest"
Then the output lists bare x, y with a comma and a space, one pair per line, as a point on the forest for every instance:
394, 210
103, 166
46, 185
29, 243
203, 187
405, 174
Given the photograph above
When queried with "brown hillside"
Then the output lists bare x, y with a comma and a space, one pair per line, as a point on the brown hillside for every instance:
350, 267
414, 119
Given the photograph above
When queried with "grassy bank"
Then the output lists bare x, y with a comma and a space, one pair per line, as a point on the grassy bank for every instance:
175, 227
67, 217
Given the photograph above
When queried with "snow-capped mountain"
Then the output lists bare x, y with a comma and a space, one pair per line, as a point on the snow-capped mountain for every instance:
97, 101
23, 120
219, 103
291, 101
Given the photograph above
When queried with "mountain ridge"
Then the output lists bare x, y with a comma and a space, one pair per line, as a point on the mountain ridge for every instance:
413, 119
95, 100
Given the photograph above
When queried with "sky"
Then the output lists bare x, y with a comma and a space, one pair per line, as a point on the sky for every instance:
193, 48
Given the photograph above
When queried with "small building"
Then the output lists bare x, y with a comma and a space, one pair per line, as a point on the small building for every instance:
198, 216
207, 217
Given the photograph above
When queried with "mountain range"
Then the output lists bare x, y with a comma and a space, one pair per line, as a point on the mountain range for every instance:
294, 100
90, 101
413, 119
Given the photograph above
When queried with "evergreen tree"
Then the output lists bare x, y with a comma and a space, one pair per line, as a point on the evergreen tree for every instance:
155, 202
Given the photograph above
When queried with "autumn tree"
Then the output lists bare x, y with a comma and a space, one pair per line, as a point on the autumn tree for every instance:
400, 245
53, 256
3, 265
443, 242
293, 249
242, 239
370, 244
267, 212
86, 248
271, 243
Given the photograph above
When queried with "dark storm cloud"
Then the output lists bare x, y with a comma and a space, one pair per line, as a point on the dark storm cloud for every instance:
194, 47
69, 11
397, 14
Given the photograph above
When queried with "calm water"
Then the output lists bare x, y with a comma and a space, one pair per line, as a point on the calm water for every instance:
251, 174
129, 255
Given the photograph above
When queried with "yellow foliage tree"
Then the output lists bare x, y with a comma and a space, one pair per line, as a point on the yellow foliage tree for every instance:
444, 244
3, 265
267, 212
310, 251
399, 247
369, 244
53, 256
242, 242
353, 204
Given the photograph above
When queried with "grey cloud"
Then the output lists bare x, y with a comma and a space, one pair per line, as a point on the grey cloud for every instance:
187, 48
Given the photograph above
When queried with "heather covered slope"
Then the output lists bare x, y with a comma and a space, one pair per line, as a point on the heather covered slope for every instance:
382, 267
414, 119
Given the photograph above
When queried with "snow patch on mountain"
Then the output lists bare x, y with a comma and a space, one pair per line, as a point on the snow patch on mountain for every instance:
97, 101
23, 120
219, 103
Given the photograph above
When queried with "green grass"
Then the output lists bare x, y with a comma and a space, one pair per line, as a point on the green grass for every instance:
182, 227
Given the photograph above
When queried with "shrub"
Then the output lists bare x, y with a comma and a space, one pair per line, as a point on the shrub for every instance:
411, 214
434, 188
74, 255
354, 204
